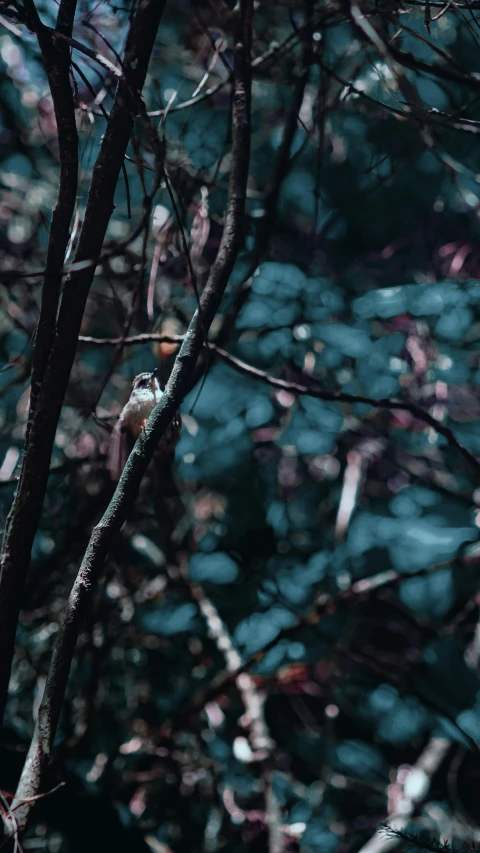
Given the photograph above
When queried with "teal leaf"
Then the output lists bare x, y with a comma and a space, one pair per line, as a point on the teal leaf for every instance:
170, 619
359, 759
279, 280
256, 631
385, 302
346, 339
212, 568
318, 838
453, 323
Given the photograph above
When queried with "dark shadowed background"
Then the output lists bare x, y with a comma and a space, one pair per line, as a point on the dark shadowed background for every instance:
322, 543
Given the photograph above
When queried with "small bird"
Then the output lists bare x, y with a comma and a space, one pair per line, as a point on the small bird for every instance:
145, 395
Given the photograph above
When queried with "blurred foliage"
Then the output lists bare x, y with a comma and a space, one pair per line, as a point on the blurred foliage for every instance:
366, 284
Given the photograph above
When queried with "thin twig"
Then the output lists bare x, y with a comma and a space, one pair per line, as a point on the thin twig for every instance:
303, 390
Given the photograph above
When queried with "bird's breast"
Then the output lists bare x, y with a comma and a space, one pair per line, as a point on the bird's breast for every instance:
137, 411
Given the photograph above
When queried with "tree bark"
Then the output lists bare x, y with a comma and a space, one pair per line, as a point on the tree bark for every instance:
55, 360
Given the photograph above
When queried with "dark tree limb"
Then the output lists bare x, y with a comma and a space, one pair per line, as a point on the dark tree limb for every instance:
56, 61
280, 171
110, 524
284, 157
57, 358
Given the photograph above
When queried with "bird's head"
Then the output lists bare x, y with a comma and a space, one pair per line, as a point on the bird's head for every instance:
146, 382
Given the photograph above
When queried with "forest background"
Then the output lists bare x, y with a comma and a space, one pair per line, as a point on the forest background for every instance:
277, 205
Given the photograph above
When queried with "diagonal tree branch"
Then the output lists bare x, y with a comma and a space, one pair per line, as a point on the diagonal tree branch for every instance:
127, 488
57, 359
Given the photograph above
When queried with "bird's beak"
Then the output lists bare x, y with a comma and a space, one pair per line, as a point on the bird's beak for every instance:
154, 377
